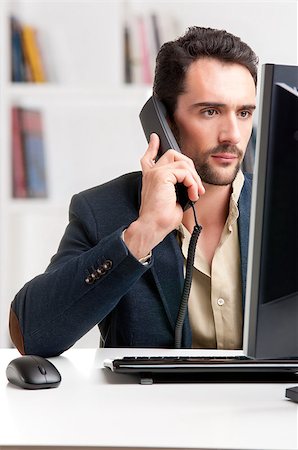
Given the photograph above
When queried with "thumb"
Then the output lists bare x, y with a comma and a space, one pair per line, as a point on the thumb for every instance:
148, 160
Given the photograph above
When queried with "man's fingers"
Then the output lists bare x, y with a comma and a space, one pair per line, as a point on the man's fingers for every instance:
148, 160
185, 177
174, 159
187, 164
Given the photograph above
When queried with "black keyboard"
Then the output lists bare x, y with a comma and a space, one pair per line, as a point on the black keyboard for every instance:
205, 369
164, 360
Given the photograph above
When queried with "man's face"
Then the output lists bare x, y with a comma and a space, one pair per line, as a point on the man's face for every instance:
214, 118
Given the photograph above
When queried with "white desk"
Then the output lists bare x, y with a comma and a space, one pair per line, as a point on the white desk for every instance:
95, 408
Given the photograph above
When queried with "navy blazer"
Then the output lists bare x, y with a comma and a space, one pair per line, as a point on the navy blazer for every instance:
94, 279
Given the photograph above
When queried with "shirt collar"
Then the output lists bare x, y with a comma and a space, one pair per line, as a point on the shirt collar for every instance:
236, 190
233, 210
237, 186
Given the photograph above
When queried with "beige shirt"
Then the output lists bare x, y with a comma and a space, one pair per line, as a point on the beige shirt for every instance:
215, 302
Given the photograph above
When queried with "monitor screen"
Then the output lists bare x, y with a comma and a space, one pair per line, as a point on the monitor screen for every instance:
271, 313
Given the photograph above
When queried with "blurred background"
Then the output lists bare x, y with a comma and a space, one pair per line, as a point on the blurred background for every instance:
73, 78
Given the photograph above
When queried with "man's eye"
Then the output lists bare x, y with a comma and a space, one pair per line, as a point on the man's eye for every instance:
245, 114
209, 112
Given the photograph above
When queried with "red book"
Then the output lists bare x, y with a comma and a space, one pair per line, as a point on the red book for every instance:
32, 129
18, 161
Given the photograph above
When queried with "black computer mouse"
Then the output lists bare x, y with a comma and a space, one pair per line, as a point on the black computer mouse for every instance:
33, 372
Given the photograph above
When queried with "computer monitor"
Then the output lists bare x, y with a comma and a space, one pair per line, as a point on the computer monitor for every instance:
271, 313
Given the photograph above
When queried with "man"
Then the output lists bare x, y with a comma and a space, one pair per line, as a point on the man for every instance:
121, 260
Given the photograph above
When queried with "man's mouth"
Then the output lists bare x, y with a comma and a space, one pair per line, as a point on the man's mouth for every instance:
225, 157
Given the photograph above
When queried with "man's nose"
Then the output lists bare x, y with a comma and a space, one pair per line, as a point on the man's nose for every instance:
230, 132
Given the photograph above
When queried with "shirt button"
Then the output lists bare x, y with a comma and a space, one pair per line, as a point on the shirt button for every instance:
220, 302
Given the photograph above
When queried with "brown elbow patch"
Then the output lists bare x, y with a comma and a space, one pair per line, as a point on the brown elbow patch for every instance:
15, 332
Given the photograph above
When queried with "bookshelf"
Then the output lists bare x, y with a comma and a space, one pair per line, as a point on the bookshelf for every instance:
90, 115
81, 105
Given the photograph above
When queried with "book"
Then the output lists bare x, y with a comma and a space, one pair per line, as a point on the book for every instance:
135, 59
19, 185
145, 52
156, 32
153, 39
32, 53
18, 64
34, 152
143, 36
127, 55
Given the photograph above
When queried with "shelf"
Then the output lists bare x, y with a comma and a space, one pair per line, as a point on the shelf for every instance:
38, 206
62, 93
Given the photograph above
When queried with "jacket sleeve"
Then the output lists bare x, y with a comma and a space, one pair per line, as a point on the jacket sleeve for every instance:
83, 283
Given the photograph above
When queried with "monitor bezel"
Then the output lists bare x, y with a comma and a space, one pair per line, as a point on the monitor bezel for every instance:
252, 315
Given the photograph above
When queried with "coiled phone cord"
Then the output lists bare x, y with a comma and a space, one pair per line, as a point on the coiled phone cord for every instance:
188, 280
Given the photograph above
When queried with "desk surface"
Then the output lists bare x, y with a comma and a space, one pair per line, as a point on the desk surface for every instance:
93, 407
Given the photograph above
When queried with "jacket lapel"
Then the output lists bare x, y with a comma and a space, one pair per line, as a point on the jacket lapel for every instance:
243, 228
167, 271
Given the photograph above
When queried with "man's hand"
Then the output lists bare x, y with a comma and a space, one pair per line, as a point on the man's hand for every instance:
160, 213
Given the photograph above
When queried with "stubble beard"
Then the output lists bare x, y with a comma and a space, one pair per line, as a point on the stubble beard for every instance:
222, 176
206, 172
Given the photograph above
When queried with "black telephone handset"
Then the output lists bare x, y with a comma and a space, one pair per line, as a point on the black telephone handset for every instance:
153, 120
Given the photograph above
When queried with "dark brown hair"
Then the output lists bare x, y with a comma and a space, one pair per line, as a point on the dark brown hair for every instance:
175, 57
